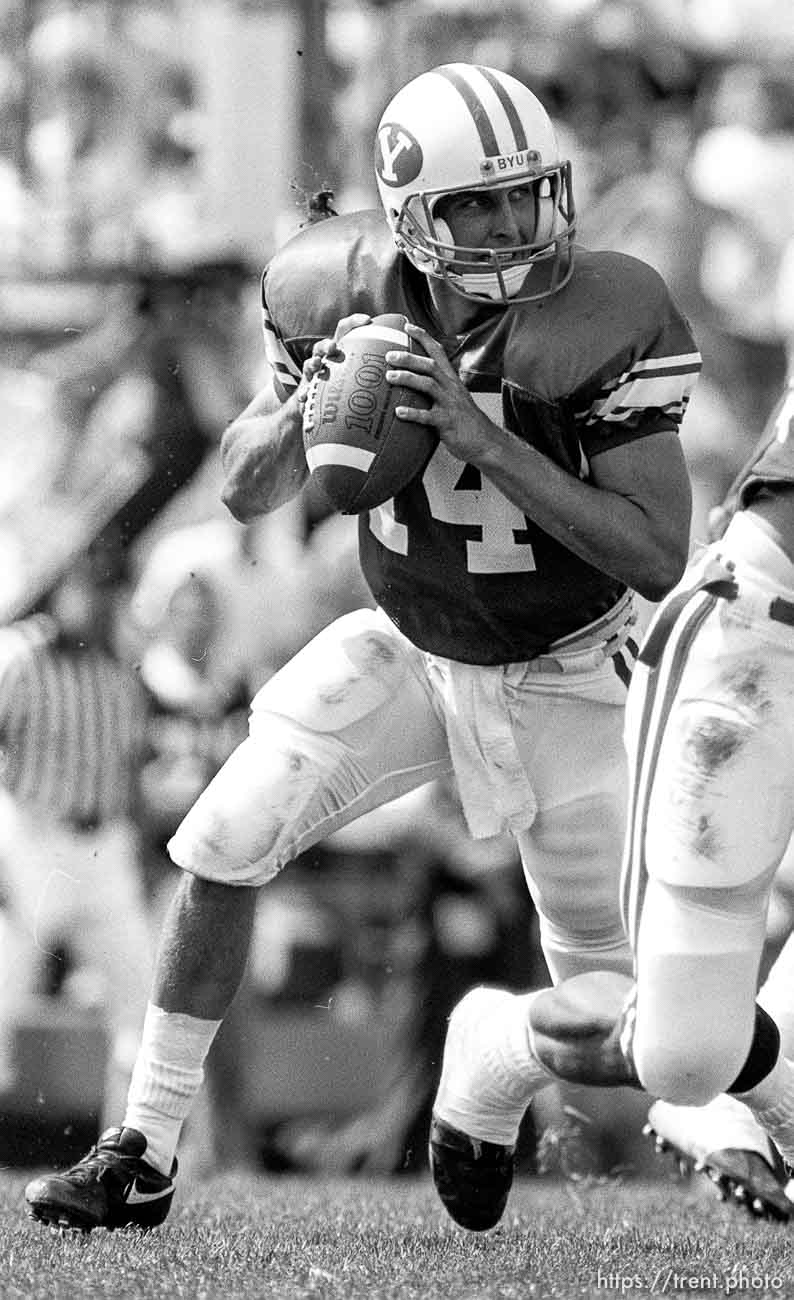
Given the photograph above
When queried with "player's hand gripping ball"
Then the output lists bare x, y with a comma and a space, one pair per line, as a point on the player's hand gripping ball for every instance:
358, 452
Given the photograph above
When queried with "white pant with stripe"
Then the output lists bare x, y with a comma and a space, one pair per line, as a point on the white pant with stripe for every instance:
710, 738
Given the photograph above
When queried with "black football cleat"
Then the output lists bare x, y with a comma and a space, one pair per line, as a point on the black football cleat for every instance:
111, 1187
754, 1181
472, 1178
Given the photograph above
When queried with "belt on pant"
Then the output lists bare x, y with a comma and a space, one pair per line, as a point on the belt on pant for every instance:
591, 645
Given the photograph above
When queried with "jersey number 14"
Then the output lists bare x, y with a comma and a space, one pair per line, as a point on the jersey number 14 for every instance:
451, 501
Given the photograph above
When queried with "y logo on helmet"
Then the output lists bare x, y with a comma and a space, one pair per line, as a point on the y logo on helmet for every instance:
398, 155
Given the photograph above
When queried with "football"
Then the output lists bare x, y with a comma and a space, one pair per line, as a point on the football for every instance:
358, 452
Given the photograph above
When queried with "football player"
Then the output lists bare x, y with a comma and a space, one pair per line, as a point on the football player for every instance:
504, 577
710, 738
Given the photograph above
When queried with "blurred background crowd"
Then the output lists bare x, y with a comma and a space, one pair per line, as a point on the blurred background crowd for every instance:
152, 156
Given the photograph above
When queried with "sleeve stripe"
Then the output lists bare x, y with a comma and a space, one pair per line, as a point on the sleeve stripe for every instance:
283, 372
277, 355
645, 392
647, 385
655, 366
675, 410
284, 386
685, 361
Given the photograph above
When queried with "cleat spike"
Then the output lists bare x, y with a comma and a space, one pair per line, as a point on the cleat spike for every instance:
753, 1178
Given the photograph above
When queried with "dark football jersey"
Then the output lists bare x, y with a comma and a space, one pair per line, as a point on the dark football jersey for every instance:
771, 462
459, 568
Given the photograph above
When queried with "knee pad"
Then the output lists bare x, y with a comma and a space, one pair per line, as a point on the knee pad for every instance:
718, 815
244, 826
356, 667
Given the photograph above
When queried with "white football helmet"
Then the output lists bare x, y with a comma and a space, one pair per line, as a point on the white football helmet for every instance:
467, 127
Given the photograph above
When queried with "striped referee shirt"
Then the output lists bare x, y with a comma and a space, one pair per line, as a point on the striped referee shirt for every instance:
72, 725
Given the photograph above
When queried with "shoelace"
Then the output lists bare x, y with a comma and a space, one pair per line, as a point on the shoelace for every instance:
99, 1160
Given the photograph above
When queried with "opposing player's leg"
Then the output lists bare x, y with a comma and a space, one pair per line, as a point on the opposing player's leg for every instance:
723, 1138
347, 725
709, 822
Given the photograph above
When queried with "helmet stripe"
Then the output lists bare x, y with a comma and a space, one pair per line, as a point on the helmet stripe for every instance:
476, 108
507, 104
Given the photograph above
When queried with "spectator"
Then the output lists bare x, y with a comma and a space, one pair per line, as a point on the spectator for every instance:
72, 731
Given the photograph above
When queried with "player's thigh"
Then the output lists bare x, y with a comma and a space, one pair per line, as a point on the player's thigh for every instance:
711, 756
572, 852
347, 725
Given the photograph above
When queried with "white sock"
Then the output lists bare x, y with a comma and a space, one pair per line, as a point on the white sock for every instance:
490, 1070
772, 1103
168, 1073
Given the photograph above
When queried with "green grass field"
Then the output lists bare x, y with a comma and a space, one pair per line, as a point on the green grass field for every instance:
389, 1239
